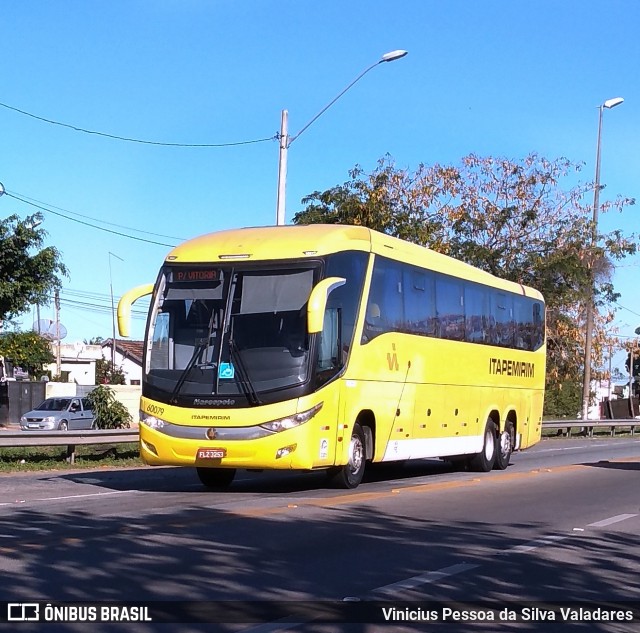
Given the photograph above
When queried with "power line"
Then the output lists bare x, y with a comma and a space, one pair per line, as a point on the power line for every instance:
88, 217
97, 308
95, 303
627, 309
93, 226
136, 140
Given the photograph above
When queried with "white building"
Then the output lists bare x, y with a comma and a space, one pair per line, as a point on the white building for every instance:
128, 357
78, 361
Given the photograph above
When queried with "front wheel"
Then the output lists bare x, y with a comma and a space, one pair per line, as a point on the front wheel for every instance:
216, 477
483, 462
350, 475
64, 426
505, 446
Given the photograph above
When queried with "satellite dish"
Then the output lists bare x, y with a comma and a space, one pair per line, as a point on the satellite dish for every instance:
49, 329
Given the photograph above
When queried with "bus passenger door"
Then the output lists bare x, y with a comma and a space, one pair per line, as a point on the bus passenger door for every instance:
327, 443
329, 427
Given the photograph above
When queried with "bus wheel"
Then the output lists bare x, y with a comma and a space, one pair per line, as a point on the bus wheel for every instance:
484, 460
505, 446
350, 475
216, 477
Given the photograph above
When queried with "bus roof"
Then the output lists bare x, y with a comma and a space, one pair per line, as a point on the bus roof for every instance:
298, 242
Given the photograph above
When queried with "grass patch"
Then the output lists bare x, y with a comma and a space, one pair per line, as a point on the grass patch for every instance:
29, 458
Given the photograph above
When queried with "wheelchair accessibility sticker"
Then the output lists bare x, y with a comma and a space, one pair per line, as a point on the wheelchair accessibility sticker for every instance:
226, 370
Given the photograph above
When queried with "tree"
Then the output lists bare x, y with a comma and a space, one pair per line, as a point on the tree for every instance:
108, 374
109, 413
28, 273
511, 218
28, 350
96, 340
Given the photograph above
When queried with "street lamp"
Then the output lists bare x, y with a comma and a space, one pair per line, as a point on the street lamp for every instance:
113, 314
286, 140
586, 385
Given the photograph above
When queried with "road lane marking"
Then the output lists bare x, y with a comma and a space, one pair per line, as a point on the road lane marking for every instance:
91, 494
612, 520
535, 544
402, 585
424, 579
568, 448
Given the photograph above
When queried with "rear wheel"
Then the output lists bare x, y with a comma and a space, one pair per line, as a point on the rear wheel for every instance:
505, 446
216, 477
350, 475
483, 462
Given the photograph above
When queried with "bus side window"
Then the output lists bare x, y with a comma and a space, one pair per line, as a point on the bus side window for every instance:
328, 355
385, 309
502, 309
449, 308
372, 322
538, 325
476, 304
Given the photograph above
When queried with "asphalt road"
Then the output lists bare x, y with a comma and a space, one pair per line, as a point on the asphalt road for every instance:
562, 523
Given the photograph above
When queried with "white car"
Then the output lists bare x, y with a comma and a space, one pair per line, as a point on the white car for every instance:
59, 414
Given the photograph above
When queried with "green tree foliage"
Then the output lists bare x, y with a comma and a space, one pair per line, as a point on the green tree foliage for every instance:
109, 413
108, 374
28, 272
96, 340
563, 400
511, 218
28, 350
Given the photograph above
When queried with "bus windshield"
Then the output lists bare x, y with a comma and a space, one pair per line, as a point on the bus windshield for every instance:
227, 331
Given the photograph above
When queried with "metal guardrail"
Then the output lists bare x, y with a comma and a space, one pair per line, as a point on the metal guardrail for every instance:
586, 427
70, 439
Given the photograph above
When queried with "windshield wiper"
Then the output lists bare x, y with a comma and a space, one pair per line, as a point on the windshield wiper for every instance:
197, 353
243, 375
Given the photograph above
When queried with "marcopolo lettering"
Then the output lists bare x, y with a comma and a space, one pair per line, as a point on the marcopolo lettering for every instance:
505, 367
213, 402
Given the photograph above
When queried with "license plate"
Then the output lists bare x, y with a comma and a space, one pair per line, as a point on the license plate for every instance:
211, 453
33, 426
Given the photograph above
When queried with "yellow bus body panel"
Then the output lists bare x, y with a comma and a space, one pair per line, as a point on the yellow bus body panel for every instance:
426, 396
314, 441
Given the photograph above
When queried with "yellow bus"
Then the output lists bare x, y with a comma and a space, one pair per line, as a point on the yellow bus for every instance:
330, 347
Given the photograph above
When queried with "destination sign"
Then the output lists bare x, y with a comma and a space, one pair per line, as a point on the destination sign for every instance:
182, 275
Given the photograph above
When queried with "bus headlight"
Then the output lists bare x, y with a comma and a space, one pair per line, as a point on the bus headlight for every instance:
151, 421
291, 421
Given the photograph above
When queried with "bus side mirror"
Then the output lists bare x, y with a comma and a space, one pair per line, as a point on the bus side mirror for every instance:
125, 303
318, 302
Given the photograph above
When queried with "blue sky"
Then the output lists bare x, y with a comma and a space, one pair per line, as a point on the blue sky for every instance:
493, 77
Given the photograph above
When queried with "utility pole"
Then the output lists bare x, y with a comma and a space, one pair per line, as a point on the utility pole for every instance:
113, 313
57, 306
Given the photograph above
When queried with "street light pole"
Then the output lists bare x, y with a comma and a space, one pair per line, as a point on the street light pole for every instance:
113, 314
588, 342
286, 140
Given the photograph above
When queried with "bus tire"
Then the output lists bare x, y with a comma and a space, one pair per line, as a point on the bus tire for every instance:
350, 475
505, 446
483, 461
216, 477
